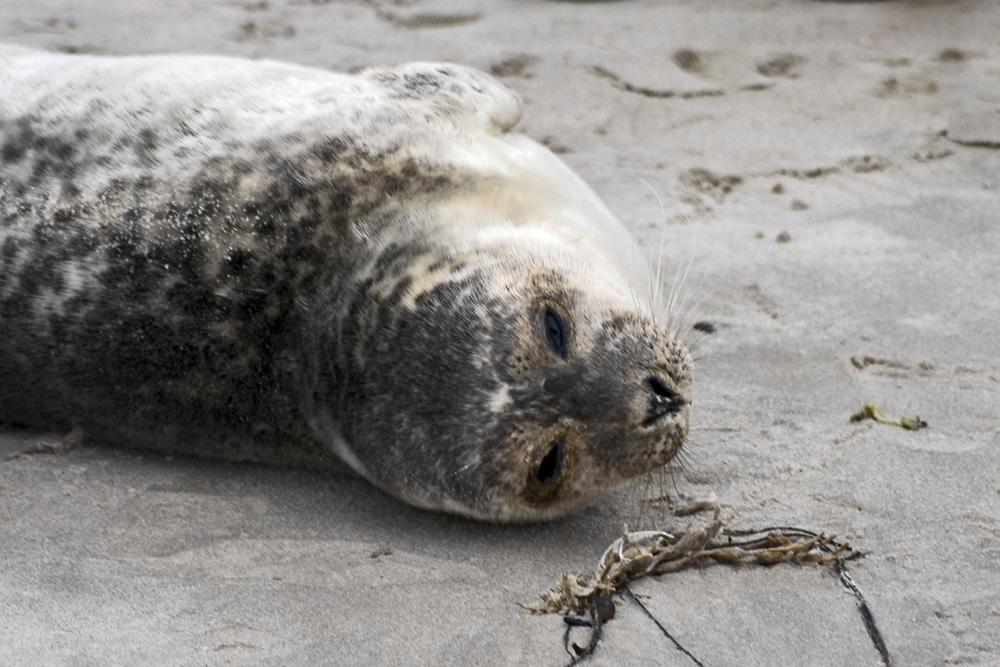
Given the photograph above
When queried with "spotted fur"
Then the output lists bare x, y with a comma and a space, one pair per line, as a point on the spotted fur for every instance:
259, 261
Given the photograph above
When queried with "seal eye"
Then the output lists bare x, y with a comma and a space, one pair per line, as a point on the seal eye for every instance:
556, 332
551, 462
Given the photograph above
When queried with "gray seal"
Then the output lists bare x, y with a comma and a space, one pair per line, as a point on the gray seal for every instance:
258, 261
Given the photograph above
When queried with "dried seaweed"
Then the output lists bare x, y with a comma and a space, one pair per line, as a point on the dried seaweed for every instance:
638, 554
873, 411
646, 552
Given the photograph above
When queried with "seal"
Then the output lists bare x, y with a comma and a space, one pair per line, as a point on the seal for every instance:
259, 261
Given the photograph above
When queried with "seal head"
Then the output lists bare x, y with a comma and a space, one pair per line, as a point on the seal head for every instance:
502, 365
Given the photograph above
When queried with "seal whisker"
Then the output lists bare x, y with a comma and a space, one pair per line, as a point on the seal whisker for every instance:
688, 310
654, 286
679, 281
656, 295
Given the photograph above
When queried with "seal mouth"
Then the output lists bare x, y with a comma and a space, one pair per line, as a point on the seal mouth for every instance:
663, 401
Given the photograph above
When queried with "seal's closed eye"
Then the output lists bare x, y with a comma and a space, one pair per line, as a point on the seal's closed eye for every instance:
556, 332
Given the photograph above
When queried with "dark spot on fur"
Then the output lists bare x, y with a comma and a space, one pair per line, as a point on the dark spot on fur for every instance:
421, 83
332, 149
52, 158
237, 260
19, 139
63, 215
146, 145
133, 214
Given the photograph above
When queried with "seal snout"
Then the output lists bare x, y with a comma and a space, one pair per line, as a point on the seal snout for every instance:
663, 401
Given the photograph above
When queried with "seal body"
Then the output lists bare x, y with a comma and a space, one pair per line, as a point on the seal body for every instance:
261, 261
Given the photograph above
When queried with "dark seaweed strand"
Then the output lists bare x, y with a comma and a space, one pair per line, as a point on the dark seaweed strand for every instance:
784, 530
866, 613
595, 636
840, 565
677, 644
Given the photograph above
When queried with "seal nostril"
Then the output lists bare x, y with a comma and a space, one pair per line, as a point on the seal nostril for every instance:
551, 462
660, 389
663, 400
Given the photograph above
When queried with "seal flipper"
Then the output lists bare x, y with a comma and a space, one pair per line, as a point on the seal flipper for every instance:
454, 94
